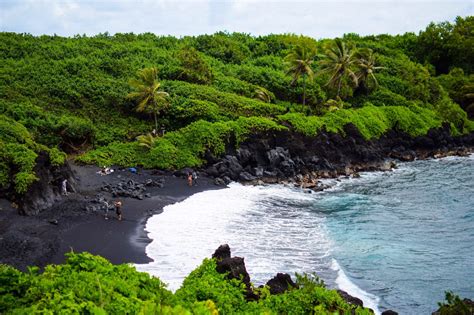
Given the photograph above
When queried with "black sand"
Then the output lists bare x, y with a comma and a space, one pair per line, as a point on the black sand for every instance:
44, 239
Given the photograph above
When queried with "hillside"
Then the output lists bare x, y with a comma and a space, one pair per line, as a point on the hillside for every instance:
69, 95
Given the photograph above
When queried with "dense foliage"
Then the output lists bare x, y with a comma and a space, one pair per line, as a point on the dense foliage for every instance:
90, 284
70, 94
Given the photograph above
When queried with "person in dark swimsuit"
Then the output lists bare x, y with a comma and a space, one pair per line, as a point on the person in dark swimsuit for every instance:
118, 209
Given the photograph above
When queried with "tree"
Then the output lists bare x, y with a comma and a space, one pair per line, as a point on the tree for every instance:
299, 62
194, 68
366, 68
147, 93
338, 61
446, 45
263, 95
147, 141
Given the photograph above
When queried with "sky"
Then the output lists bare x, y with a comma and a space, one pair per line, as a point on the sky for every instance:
318, 19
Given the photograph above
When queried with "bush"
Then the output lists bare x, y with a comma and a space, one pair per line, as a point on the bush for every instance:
91, 284
371, 121
230, 105
75, 130
183, 148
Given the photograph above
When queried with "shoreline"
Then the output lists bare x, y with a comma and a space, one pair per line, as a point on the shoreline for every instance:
67, 225
46, 238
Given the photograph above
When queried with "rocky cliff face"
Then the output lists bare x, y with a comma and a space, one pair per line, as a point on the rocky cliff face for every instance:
289, 156
43, 193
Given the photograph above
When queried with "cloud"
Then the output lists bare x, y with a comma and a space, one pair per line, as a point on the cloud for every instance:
318, 19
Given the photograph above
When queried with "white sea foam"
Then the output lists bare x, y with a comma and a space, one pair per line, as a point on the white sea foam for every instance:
344, 283
273, 227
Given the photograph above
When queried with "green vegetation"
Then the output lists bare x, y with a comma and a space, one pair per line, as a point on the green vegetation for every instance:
455, 306
299, 62
90, 284
211, 91
147, 93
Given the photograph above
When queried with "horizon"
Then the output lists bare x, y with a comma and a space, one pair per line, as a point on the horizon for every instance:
317, 19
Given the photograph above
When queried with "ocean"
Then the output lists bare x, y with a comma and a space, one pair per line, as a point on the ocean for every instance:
397, 239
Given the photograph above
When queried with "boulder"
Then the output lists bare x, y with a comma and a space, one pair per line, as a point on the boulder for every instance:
219, 182
227, 180
247, 177
234, 268
222, 252
258, 171
277, 155
244, 155
350, 299
389, 312
280, 283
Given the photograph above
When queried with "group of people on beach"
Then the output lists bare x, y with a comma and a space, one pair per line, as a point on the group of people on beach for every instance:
118, 208
191, 177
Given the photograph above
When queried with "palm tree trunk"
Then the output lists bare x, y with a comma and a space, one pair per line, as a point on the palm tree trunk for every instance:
304, 90
339, 87
156, 122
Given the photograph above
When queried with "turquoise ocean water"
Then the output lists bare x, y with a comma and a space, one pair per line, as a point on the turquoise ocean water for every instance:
396, 239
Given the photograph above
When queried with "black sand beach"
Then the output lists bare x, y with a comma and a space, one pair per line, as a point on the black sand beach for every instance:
44, 239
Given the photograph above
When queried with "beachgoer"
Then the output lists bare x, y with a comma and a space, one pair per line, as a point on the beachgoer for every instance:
195, 177
64, 187
153, 132
190, 179
118, 209
163, 131
106, 205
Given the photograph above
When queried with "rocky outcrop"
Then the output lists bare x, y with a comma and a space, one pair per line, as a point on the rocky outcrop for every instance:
464, 307
44, 192
234, 268
132, 189
280, 283
350, 299
290, 157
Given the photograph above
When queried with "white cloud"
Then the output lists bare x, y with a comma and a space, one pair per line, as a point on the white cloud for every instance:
190, 17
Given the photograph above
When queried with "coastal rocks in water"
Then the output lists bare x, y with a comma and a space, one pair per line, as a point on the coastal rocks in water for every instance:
350, 299
280, 283
219, 182
246, 177
234, 267
389, 312
230, 167
222, 252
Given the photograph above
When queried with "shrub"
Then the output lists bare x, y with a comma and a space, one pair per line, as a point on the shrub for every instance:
371, 121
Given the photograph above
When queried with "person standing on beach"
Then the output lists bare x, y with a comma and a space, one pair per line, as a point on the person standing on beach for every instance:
118, 209
64, 187
190, 179
106, 205
195, 177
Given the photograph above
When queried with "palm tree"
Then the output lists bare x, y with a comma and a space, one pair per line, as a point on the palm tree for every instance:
263, 95
338, 61
299, 62
147, 93
366, 69
146, 141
